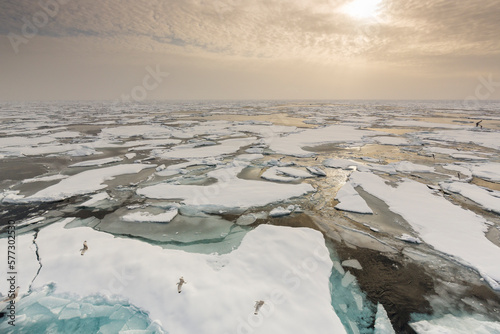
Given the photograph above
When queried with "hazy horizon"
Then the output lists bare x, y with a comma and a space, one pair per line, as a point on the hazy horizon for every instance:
263, 50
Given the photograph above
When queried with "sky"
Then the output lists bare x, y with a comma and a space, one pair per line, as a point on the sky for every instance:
249, 49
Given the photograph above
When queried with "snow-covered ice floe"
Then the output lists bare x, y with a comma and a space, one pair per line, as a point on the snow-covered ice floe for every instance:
447, 227
220, 292
488, 199
488, 171
81, 183
350, 200
98, 162
228, 192
450, 324
165, 217
292, 144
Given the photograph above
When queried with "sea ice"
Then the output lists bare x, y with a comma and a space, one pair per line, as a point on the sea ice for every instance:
82, 183
272, 174
228, 192
189, 151
447, 227
350, 200
487, 171
145, 275
382, 323
316, 171
292, 144
294, 172
45, 178
481, 196
450, 324
98, 162
165, 217
279, 212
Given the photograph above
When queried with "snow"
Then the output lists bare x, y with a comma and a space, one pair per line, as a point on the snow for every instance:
481, 196
410, 239
228, 192
272, 174
130, 155
316, 171
65, 134
447, 227
382, 323
249, 157
24, 141
341, 163
294, 172
83, 183
352, 264
27, 264
410, 167
351, 201
292, 144
98, 162
279, 212
463, 169
450, 324
145, 131
190, 151
488, 171
424, 124
165, 217
47, 178
96, 198
221, 289
391, 168
465, 156
481, 138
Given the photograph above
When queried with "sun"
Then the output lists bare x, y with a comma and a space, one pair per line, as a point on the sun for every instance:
362, 9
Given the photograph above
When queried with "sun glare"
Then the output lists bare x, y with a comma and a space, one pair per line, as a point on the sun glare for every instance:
362, 8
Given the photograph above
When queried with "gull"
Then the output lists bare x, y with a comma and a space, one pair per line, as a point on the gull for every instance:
85, 247
13, 296
179, 285
258, 305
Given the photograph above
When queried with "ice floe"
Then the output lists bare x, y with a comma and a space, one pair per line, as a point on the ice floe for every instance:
98, 162
487, 171
447, 227
350, 200
382, 323
281, 211
292, 144
165, 217
450, 324
82, 183
228, 192
146, 276
94, 199
316, 171
191, 151
485, 198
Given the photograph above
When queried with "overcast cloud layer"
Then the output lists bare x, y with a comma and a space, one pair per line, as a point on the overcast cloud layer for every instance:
96, 49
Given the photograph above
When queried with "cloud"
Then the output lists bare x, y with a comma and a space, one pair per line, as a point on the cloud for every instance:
423, 38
